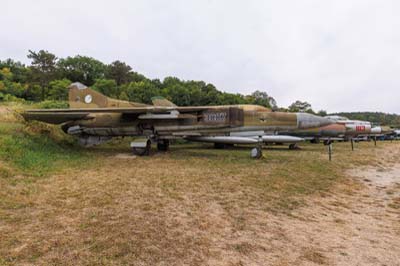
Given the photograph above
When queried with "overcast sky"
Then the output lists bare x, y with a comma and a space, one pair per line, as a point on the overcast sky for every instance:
340, 55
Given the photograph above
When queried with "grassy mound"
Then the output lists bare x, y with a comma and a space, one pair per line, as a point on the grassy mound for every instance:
34, 148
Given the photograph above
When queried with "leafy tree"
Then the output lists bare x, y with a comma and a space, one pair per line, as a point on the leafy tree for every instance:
299, 106
157, 83
43, 69
6, 74
13, 88
171, 81
136, 77
20, 72
120, 72
262, 98
33, 92
82, 68
7, 86
141, 91
2, 88
177, 93
322, 113
230, 98
107, 87
58, 89
210, 94
123, 96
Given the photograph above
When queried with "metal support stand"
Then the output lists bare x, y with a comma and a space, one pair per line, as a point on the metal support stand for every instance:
352, 144
375, 140
330, 151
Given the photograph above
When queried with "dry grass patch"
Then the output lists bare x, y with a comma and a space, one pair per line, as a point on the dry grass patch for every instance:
187, 206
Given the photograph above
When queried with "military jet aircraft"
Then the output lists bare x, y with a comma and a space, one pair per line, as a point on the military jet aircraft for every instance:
95, 118
353, 127
341, 129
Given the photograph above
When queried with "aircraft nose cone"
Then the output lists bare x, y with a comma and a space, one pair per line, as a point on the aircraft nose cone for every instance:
310, 121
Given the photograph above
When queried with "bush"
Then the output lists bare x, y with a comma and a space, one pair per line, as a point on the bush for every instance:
49, 104
11, 98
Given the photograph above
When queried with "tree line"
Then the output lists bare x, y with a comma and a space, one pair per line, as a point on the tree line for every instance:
47, 78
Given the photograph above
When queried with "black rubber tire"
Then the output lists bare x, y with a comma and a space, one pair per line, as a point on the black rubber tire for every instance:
163, 145
256, 153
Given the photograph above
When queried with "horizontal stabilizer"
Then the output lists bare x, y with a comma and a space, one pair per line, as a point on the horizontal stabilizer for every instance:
54, 118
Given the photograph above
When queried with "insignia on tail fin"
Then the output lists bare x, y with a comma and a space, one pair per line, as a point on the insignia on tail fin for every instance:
161, 101
81, 96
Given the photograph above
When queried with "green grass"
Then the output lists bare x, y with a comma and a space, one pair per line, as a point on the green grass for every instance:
36, 149
36, 155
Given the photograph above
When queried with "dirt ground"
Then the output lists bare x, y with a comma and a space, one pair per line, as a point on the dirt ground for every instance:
361, 227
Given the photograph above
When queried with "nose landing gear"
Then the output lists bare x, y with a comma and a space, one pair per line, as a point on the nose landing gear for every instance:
256, 153
141, 147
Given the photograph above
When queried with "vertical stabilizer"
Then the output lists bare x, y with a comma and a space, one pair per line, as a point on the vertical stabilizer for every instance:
81, 96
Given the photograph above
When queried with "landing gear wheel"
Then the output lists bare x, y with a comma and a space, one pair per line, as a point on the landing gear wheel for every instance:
163, 145
256, 153
142, 151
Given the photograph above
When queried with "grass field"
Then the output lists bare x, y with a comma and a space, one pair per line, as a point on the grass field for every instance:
65, 205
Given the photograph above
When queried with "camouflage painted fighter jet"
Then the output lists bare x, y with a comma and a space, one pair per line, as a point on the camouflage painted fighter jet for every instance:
95, 118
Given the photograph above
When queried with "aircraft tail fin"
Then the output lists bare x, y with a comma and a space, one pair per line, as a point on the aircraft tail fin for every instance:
161, 101
81, 96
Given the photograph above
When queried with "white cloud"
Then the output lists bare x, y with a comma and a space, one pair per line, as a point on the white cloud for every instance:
339, 55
